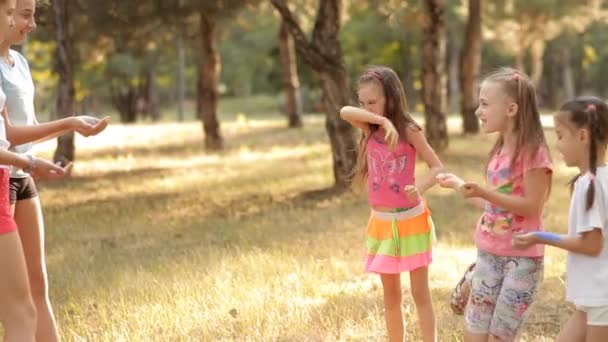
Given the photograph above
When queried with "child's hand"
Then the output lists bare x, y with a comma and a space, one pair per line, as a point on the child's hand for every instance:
89, 126
449, 180
391, 136
469, 190
411, 191
524, 240
43, 169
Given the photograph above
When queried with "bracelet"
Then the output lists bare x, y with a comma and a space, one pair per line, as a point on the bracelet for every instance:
32, 165
550, 237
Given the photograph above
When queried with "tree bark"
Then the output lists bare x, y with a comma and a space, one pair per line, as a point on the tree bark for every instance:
65, 92
537, 51
181, 86
453, 78
209, 75
289, 75
125, 101
151, 94
324, 55
470, 67
567, 74
433, 67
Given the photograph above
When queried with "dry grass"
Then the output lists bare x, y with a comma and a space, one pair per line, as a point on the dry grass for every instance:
155, 240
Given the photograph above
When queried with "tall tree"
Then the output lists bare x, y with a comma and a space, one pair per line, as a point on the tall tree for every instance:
470, 67
323, 53
525, 27
289, 76
433, 68
209, 75
210, 14
65, 94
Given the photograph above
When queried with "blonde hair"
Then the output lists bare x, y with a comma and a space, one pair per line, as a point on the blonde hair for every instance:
528, 127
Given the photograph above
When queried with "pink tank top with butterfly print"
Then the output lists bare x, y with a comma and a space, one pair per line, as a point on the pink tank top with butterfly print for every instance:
389, 172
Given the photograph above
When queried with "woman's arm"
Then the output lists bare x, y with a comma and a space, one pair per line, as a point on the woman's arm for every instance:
38, 168
18, 135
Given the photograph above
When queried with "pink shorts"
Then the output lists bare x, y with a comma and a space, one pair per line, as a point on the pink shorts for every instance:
7, 223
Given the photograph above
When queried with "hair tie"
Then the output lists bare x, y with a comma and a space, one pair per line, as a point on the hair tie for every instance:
591, 107
592, 176
516, 76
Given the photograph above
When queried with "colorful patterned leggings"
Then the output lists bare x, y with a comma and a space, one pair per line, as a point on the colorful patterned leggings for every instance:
502, 290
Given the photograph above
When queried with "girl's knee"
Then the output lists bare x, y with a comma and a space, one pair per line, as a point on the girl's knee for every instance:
392, 299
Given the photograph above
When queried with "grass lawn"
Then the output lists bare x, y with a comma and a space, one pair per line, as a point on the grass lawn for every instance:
154, 239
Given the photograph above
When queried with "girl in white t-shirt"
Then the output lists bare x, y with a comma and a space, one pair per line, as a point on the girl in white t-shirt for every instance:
17, 311
581, 126
16, 82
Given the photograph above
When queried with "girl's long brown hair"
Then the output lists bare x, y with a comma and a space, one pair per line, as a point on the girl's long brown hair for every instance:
395, 110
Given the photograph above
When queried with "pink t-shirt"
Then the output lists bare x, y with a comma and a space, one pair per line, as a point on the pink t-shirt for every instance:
496, 226
389, 172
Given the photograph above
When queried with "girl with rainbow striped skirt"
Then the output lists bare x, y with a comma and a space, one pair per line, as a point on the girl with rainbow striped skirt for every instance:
400, 231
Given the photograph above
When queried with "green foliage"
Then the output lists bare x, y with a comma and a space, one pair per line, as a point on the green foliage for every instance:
115, 41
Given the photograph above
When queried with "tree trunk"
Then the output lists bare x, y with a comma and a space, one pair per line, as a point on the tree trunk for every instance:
470, 67
181, 86
151, 94
324, 55
411, 94
567, 74
341, 134
537, 51
210, 69
125, 102
289, 75
433, 58
65, 92
453, 78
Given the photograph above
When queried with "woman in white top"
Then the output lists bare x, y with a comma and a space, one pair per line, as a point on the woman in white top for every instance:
581, 127
17, 311
18, 85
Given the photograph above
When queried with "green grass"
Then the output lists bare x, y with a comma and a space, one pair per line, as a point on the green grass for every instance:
154, 239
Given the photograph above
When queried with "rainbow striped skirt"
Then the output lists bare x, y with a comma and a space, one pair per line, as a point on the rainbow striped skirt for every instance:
399, 241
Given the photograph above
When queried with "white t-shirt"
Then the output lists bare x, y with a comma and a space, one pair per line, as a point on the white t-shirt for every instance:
4, 144
587, 277
18, 86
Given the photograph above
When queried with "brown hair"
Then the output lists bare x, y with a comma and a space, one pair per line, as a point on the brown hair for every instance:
528, 127
591, 113
395, 110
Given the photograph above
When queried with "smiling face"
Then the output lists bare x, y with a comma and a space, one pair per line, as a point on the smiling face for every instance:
371, 98
496, 108
25, 21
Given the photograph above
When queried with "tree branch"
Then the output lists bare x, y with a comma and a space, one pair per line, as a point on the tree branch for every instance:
310, 54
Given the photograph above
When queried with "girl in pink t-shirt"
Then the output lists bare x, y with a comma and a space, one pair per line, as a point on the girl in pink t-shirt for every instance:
519, 173
400, 229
